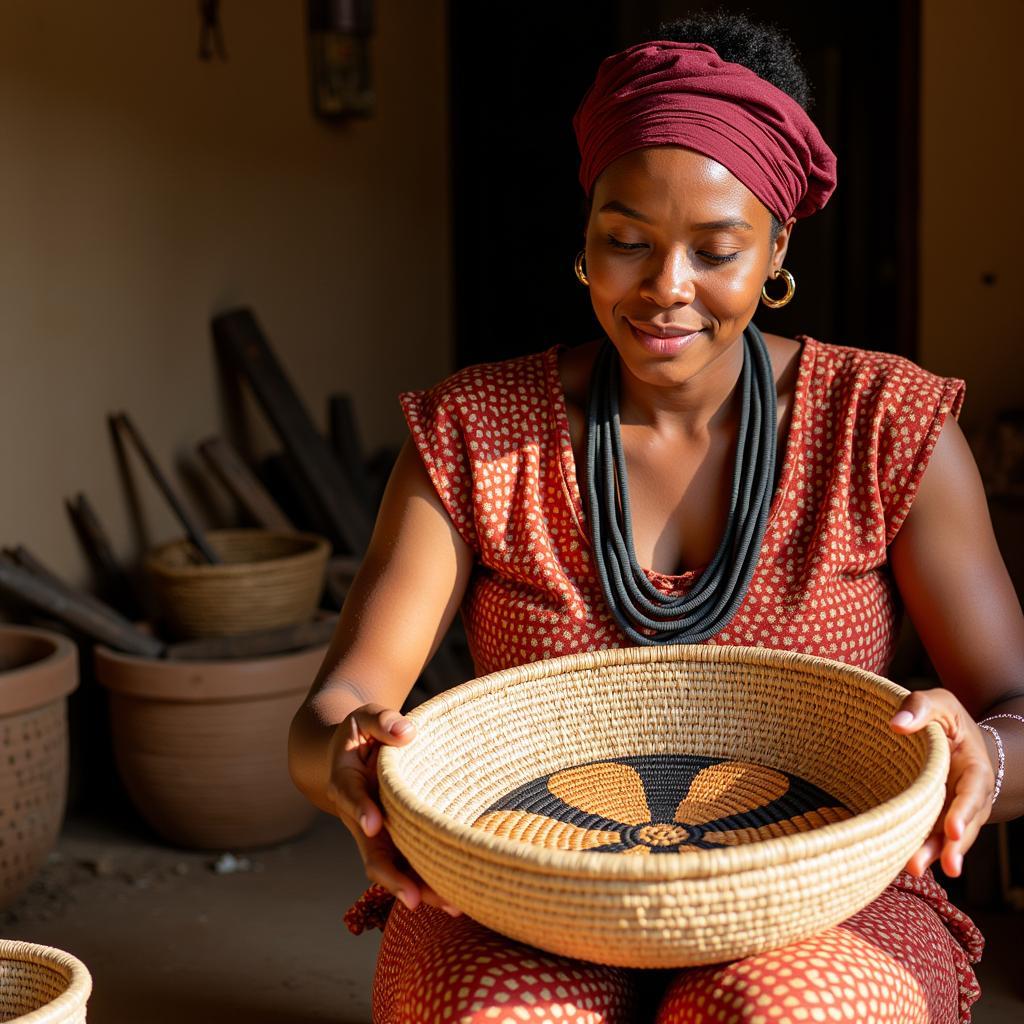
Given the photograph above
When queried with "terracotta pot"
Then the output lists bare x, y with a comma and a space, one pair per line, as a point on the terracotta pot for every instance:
202, 747
38, 669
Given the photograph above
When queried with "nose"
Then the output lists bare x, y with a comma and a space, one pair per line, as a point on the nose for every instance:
671, 279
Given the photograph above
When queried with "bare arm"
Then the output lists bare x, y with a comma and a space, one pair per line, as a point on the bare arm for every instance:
396, 613
958, 593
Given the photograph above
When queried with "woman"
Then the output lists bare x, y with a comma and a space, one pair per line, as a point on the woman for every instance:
696, 168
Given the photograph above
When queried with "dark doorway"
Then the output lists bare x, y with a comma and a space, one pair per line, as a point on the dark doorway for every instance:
517, 76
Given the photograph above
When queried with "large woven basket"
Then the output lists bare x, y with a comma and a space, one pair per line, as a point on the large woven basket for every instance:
663, 806
267, 580
41, 985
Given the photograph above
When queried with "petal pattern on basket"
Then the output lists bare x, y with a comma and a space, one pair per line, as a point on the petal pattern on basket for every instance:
660, 803
607, 788
730, 787
787, 827
543, 831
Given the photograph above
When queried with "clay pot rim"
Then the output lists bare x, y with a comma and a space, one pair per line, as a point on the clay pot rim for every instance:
317, 549
193, 682
40, 682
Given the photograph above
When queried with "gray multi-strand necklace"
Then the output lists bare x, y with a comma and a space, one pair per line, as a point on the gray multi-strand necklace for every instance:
717, 593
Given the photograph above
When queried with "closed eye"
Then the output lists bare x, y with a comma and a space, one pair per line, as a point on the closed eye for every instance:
710, 256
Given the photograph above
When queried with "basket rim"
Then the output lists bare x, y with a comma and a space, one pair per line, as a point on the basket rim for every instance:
767, 853
79, 984
318, 548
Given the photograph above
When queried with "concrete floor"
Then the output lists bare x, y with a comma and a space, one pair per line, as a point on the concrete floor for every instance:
168, 939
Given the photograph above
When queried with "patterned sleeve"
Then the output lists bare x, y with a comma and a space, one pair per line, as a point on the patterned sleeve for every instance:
914, 409
436, 417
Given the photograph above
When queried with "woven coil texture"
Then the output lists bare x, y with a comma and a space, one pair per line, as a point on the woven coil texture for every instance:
41, 985
663, 806
267, 580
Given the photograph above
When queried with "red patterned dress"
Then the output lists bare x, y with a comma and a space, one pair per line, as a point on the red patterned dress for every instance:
496, 442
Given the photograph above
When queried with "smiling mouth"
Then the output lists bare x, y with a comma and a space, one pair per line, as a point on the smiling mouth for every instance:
663, 344
651, 330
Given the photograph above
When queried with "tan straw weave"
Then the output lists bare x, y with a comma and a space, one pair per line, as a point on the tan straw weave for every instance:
663, 806
267, 580
41, 985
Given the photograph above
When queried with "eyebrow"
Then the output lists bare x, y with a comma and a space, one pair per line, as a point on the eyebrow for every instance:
614, 206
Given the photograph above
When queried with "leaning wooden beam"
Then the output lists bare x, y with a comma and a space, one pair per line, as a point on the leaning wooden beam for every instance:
69, 606
113, 579
348, 449
121, 422
243, 484
23, 557
244, 346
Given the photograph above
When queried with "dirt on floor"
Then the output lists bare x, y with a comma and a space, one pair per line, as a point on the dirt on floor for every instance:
173, 935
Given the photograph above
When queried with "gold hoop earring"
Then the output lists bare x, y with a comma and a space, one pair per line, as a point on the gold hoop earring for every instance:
580, 272
790, 290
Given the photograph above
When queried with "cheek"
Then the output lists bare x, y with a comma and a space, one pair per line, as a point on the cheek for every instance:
733, 288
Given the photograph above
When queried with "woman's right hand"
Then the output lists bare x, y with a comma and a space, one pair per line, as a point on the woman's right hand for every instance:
353, 789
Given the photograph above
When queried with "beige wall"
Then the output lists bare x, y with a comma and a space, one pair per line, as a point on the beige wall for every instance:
142, 190
972, 214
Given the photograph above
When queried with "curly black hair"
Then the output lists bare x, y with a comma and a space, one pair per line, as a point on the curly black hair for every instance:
763, 47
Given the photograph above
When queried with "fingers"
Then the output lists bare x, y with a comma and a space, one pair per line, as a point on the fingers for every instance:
354, 753
967, 807
385, 725
385, 865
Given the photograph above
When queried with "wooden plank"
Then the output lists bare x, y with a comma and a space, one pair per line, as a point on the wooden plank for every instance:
255, 645
195, 534
243, 484
113, 580
345, 441
66, 604
23, 557
243, 345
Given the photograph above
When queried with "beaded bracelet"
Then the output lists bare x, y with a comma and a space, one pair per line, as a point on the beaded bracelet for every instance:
1003, 759
999, 747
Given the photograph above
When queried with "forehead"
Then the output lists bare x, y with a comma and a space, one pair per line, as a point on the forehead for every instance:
671, 182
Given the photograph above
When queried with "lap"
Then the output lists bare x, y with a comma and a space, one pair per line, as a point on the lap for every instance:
892, 961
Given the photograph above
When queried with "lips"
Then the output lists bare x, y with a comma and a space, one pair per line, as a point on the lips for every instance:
665, 331
664, 344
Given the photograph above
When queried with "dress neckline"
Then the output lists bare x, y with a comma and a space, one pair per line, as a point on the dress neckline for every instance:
567, 458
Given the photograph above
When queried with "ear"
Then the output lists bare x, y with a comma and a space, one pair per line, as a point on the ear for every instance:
781, 246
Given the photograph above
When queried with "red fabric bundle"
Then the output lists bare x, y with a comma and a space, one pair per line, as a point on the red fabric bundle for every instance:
667, 93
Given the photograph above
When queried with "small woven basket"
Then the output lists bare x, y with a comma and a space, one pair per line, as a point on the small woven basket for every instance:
267, 580
41, 985
663, 806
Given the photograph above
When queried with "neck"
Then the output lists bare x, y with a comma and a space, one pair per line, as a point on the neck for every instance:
706, 402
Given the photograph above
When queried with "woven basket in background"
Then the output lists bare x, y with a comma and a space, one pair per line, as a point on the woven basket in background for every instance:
267, 580
42, 984
663, 806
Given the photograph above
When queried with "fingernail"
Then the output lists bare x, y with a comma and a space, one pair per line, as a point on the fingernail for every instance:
958, 862
405, 898
903, 718
364, 823
400, 727
451, 911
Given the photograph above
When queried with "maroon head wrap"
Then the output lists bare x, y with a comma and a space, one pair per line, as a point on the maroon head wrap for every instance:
667, 93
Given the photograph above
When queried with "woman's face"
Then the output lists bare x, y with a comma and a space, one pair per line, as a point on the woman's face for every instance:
675, 243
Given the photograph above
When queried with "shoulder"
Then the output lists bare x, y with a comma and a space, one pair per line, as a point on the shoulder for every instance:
487, 410
490, 385
884, 382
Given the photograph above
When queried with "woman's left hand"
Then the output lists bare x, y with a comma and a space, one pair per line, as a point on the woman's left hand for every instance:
969, 785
